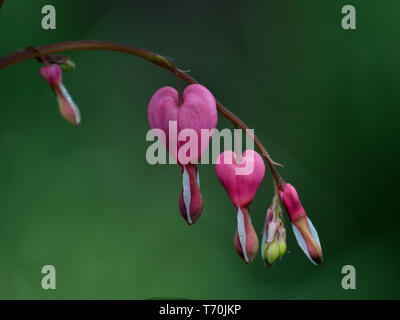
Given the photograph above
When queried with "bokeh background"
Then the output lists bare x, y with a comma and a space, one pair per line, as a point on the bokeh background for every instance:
324, 101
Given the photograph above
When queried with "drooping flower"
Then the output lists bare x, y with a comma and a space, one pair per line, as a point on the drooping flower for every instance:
53, 75
241, 179
198, 112
306, 234
273, 244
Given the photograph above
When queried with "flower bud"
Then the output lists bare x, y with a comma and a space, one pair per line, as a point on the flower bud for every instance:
274, 234
53, 75
282, 241
306, 234
62, 60
271, 251
67, 65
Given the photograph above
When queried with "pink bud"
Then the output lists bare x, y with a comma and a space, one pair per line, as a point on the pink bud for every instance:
53, 75
241, 186
306, 234
198, 112
291, 201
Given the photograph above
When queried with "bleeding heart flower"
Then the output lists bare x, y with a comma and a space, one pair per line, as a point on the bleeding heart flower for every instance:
53, 75
306, 235
241, 184
197, 112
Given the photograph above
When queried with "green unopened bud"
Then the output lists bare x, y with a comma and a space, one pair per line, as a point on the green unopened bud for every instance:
274, 234
68, 65
271, 252
282, 241
282, 249
65, 63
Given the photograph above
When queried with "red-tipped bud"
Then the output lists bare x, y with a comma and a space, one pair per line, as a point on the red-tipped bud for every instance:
306, 235
53, 75
190, 200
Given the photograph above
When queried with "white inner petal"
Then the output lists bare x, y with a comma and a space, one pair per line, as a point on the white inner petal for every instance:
71, 103
314, 232
186, 193
302, 242
263, 241
272, 229
198, 178
242, 233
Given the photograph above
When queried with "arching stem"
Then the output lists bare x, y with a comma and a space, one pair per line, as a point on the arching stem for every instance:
164, 62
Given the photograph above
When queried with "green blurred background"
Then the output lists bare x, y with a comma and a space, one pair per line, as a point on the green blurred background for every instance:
324, 101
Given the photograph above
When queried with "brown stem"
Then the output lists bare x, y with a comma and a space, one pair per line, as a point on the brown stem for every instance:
41, 58
164, 62
178, 82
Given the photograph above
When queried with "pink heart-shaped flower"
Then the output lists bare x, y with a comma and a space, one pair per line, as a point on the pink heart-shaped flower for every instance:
240, 178
198, 111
